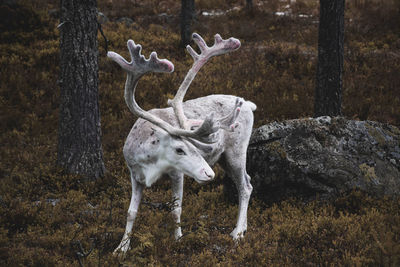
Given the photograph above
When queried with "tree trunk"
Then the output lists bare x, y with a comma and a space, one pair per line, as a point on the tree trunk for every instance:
328, 91
249, 5
187, 17
79, 144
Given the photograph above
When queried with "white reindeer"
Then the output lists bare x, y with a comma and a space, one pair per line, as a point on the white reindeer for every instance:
187, 138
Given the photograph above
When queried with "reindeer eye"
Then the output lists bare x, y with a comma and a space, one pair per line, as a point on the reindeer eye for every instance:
180, 151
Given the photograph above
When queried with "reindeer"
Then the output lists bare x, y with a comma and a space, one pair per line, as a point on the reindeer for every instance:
187, 137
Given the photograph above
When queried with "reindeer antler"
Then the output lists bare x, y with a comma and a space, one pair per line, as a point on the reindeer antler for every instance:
139, 65
135, 69
220, 47
228, 122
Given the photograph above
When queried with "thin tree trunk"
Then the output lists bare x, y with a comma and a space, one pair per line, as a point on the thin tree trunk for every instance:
79, 144
328, 92
249, 5
187, 17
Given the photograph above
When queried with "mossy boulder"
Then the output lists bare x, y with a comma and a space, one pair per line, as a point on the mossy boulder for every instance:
324, 157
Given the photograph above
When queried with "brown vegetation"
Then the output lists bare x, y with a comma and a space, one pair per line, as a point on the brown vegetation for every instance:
48, 216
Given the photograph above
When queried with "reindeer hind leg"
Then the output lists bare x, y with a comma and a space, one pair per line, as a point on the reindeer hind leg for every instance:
235, 166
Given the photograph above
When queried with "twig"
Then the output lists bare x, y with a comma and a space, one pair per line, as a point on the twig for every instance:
81, 253
105, 38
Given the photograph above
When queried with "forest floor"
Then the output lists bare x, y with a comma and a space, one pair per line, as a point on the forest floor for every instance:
49, 218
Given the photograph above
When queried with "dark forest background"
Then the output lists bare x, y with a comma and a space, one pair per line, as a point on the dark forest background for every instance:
51, 218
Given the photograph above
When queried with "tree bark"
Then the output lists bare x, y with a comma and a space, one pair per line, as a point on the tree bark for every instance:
187, 17
249, 5
79, 144
328, 92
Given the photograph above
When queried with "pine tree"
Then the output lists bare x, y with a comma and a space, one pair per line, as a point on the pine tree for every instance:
187, 17
328, 92
79, 144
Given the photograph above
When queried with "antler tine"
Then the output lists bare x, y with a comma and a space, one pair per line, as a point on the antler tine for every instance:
200, 42
229, 122
193, 53
217, 39
220, 47
135, 69
204, 48
135, 50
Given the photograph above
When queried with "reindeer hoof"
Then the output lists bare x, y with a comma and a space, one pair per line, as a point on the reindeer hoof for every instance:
178, 234
237, 234
122, 248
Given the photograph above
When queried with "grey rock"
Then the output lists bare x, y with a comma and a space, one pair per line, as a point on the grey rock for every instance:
324, 157
165, 18
127, 21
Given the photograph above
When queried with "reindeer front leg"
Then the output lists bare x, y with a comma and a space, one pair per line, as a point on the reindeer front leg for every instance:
137, 190
177, 195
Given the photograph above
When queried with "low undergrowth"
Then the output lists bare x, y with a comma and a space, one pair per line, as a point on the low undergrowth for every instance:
49, 218
56, 228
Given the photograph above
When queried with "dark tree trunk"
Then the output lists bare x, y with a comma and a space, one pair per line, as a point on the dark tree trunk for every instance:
249, 5
79, 145
328, 91
187, 17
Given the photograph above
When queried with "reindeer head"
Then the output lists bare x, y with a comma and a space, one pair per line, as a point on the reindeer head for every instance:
181, 155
